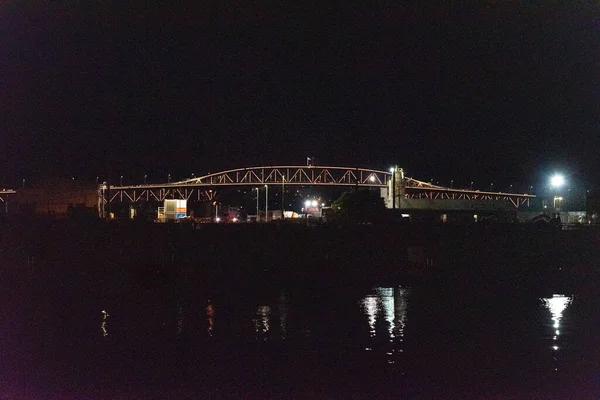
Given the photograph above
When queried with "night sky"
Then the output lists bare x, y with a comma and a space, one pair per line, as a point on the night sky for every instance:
503, 93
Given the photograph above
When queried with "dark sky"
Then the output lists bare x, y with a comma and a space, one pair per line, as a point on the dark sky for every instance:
497, 93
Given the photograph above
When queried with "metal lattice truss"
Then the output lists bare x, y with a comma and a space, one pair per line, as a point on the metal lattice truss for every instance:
294, 175
197, 188
4, 193
441, 193
415, 189
204, 187
413, 183
159, 194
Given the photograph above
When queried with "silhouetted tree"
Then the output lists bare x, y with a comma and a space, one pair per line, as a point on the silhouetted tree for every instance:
359, 206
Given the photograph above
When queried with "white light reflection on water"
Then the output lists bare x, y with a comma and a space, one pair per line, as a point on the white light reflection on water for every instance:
557, 304
371, 309
103, 325
393, 304
262, 320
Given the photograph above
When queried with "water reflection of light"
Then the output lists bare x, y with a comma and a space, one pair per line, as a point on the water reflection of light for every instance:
387, 302
103, 326
557, 305
401, 301
283, 312
393, 303
262, 319
210, 317
370, 307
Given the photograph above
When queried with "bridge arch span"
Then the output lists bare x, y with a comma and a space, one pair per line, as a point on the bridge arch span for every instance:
293, 175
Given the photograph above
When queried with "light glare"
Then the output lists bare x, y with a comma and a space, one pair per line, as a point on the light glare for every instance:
557, 180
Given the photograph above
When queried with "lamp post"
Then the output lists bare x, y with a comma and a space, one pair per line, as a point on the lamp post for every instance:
257, 215
393, 171
266, 203
282, 197
556, 181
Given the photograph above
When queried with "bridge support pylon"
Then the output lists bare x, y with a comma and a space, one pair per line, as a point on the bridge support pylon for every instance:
395, 190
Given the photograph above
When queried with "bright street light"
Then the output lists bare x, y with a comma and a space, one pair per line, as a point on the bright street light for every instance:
557, 181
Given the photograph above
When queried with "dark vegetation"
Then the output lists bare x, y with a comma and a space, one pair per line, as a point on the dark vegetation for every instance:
359, 206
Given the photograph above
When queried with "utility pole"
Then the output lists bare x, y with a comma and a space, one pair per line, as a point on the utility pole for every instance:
393, 170
282, 198
266, 203
257, 215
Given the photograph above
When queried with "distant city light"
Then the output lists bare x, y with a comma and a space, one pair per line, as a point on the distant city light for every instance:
372, 178
557, 180
314, 203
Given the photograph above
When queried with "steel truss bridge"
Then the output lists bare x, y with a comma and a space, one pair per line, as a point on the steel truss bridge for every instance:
4, 193
205, 187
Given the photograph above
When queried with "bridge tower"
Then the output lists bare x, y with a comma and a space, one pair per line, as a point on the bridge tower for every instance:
395, 189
